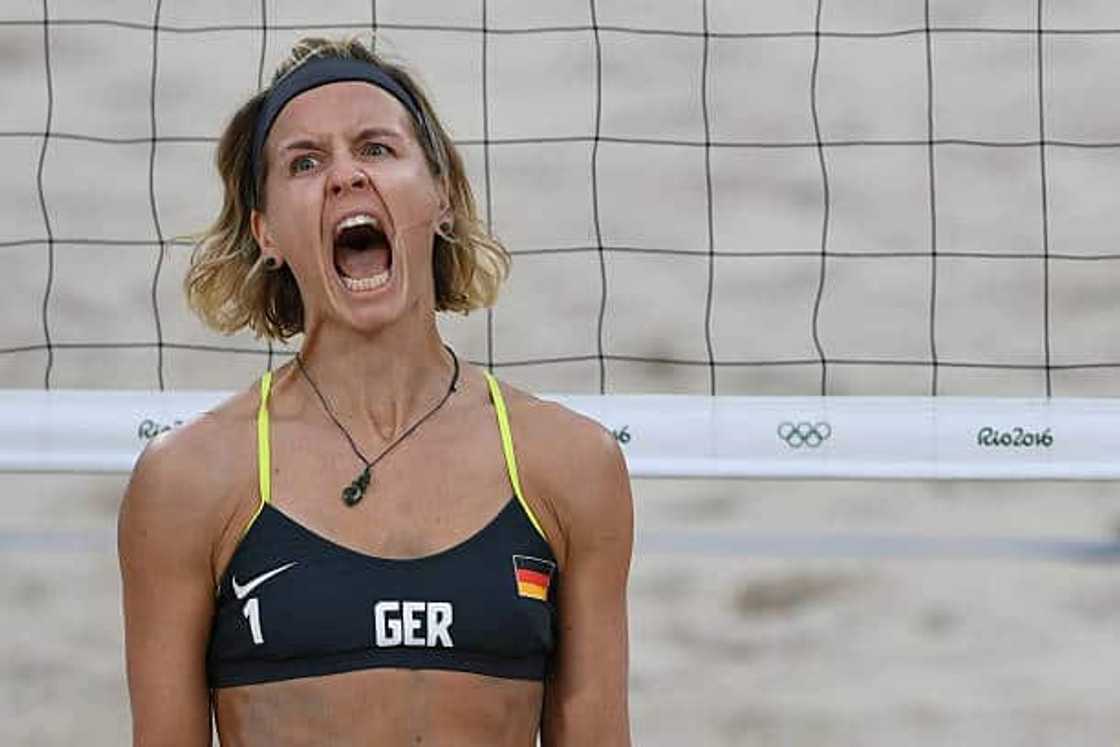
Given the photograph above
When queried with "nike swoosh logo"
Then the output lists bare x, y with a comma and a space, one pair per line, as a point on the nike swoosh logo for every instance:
242, 591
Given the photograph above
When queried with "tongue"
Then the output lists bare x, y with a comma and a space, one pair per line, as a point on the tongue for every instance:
362, 263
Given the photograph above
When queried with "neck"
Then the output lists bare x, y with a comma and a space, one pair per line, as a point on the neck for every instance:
378, 385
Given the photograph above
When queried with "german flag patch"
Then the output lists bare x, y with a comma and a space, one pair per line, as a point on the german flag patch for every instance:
533, 576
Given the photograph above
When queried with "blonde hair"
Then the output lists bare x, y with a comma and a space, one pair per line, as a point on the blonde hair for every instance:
228, 284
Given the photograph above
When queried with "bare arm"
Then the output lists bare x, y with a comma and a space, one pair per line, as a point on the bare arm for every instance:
164, 543
586, 699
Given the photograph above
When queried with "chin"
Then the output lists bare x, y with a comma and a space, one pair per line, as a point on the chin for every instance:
371, 310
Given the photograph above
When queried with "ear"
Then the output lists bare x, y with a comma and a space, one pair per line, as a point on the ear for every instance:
446, 213
258, 224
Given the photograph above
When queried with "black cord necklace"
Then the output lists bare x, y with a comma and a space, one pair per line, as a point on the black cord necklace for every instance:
356, 490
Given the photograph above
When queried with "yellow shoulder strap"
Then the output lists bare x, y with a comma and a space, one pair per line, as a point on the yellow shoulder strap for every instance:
507, 448
264, 451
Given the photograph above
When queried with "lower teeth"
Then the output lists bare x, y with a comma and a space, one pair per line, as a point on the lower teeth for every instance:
366, 284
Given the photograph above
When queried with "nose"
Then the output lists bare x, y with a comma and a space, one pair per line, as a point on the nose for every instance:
348, 176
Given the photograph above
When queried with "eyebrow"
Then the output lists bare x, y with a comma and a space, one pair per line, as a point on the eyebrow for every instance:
379, 132
316, 144
302, 144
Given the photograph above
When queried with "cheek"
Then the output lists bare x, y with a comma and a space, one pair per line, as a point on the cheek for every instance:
412, 200
296, 212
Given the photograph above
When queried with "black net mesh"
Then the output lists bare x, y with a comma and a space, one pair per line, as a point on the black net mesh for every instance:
705, 197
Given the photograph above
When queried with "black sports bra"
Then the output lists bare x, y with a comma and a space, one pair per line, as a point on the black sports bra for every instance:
293, 603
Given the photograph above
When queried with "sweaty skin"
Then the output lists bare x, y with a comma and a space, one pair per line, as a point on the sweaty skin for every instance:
414, 511
411, 511
378, 358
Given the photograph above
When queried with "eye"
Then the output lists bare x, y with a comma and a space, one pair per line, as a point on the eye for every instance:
303, 163
374, 150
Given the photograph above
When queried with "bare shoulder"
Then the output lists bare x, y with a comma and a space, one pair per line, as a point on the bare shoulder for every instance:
195, 454
572, 464
559, 437
184, 483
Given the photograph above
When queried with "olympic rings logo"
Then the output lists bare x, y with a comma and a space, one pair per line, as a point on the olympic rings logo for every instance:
804, 433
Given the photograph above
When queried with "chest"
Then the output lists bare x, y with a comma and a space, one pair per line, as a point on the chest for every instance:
432, 490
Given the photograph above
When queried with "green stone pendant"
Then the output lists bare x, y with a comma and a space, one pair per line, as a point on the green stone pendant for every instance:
356, 490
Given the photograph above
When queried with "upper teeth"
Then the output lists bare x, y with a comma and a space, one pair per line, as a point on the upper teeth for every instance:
355, 220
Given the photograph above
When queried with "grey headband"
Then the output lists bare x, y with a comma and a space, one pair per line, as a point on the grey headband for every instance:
319, 72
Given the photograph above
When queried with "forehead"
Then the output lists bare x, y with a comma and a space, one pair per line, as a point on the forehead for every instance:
344, 106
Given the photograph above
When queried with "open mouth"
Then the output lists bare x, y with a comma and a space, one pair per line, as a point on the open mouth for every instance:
362, 255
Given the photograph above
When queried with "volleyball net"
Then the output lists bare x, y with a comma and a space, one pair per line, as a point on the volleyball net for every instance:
755, 239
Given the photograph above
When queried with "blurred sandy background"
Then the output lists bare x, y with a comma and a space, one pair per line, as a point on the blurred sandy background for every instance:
759, 643
727, 648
